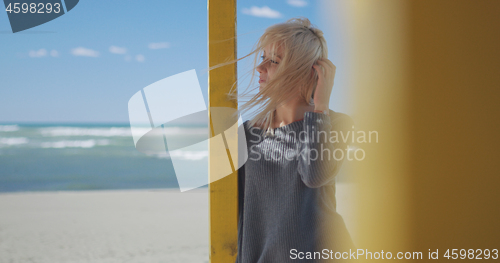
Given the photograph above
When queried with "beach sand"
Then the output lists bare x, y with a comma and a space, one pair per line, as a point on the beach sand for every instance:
150, 226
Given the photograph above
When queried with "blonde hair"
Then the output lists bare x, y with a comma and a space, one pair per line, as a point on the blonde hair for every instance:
302, 45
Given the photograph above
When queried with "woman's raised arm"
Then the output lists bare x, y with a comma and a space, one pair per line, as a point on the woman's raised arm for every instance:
323, 147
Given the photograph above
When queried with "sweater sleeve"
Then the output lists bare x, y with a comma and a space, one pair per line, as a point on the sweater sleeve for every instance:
322, 148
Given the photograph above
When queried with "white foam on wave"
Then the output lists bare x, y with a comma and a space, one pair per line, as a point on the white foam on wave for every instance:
185, 131
9, 128
184, 155
13, 141
74, 131
75, 144
115, 131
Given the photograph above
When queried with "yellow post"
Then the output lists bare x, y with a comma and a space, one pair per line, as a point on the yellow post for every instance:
426, 79
223, 193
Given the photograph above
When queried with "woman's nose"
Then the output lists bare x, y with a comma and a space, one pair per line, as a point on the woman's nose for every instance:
261, 68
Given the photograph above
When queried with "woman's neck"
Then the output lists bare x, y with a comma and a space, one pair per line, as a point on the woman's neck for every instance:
291, 111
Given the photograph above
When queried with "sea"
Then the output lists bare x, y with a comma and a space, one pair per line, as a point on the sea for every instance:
73, 157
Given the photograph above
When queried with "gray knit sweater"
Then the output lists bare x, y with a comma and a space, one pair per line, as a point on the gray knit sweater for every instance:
287, 195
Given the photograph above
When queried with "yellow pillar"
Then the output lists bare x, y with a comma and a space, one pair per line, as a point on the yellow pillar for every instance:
379, 82
454, 98
425, 77
223, 193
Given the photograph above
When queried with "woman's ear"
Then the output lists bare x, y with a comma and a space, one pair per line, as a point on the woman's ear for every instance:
313, 71
312, 94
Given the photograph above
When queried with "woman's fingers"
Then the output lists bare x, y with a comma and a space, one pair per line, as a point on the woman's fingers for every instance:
327, 64
317, 67
329, 68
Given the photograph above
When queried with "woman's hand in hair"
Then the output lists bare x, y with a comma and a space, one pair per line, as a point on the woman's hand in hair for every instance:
326, 74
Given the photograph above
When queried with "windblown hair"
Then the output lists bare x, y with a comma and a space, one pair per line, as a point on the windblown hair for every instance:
302, 45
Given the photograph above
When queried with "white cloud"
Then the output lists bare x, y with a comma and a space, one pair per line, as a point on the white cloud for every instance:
140, 58
38, 53
297, 3
117, 50
159, 45
54, 53
85, 52
264, 11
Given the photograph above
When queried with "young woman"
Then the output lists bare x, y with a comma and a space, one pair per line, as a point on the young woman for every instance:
287, 209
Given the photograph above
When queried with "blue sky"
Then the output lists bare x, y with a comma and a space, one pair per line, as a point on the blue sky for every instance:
85, 65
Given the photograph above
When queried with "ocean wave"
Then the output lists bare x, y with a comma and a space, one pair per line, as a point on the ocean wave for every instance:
13, 141
75, 144
74, 131
185, 131
115, 131
184, 155
9, 128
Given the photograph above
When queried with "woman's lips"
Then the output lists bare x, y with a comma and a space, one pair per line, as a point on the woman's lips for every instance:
261, 80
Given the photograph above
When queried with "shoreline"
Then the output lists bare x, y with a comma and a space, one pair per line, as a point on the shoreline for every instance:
204, 189
104, 226
116, 225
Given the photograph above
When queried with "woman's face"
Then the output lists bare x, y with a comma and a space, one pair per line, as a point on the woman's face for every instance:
268, 66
